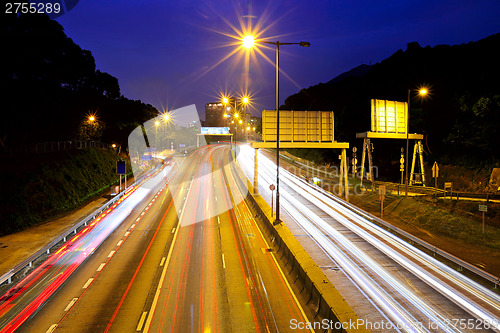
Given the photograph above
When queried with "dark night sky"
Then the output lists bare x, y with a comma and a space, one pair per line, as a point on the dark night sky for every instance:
158, 49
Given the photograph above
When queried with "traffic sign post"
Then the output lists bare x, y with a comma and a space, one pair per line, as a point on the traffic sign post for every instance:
402, 164
484, 209
381, 191
354, 162
435, 175
448, 185
272, 188
121, 169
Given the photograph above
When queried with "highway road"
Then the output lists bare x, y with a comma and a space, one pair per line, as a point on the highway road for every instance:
186, 255
385, 278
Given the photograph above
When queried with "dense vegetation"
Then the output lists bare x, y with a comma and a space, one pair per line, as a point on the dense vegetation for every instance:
460, 118
49, 88
46, 185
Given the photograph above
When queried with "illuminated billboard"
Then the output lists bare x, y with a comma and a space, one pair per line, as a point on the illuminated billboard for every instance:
389, 116
215, 130
298, 126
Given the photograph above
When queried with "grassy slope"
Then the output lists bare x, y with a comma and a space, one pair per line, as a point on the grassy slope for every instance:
44, 186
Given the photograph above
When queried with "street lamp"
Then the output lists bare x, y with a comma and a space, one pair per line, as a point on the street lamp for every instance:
304, 44
422, 92
157, 123
248, 41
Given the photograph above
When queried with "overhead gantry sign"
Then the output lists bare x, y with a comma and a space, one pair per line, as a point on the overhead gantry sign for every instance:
214, 131
300, 129
389, 120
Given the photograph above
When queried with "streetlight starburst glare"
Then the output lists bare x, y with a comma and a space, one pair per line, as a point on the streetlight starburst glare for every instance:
248, 41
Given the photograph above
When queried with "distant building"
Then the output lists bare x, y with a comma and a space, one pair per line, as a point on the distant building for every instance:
214, 115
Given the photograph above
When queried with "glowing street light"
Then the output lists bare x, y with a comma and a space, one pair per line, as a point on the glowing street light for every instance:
225, 100
236, 115
248, 42
245, 100
91, 119
422, 92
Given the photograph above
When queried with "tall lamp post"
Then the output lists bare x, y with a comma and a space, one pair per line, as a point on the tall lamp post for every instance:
277, 44
422, 92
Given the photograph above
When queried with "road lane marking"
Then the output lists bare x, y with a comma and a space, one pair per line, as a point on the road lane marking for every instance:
71, 303
281, 272
218, 220
223, 261
111, 253
164, 272
173, 230
101, 267
127, 233
120, 242
141, 322
89, 281
162, 261
52, 328
216, 198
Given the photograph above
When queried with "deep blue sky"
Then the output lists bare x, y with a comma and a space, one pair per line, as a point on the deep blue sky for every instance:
158, 49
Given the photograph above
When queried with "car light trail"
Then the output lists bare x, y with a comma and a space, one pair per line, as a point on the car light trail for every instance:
23, 300
467, 294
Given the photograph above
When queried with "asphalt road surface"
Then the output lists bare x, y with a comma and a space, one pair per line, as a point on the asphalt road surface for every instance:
182, 256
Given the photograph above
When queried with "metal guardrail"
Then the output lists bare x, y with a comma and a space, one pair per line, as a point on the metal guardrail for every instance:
461, 263
400, 188
50, 147
64, 236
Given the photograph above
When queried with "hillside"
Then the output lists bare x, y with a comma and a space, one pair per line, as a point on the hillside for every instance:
43, 186
50, 86
460, 119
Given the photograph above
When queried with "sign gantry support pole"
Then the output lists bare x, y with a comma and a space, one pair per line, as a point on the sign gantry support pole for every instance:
343, 181
256, 173
367, 150
418, 152
344, 159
